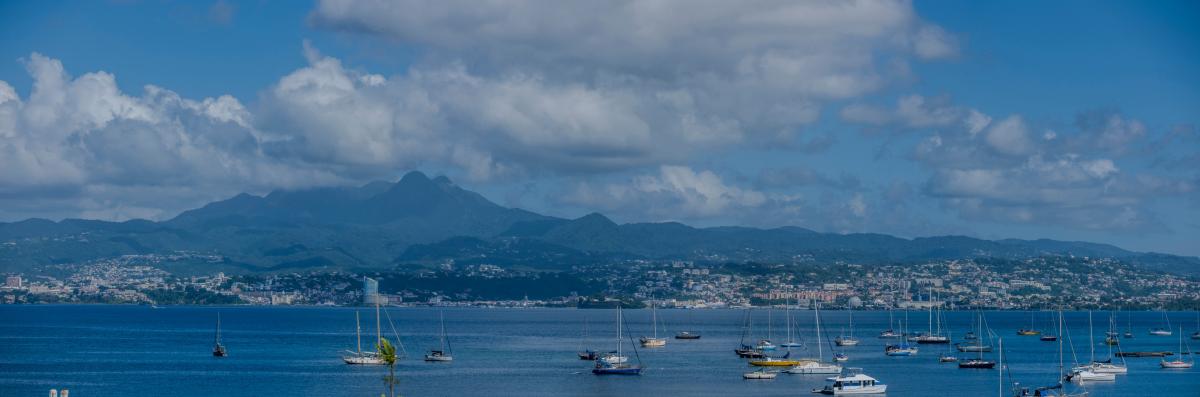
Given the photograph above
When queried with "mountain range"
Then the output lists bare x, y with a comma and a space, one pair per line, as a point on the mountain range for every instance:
419, 220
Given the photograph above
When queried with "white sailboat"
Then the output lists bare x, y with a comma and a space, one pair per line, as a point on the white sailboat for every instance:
653, 341
360, 357
1084, 373
787, 315
1100, 367
1161, 331
444, 353
844, 340
1178, 363
819, 366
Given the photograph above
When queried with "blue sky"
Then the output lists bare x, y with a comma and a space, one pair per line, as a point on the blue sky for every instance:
1071, 120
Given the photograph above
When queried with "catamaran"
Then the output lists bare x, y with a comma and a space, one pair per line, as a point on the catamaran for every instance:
444, 353
618, 364
218, 348
361, 357
852, 383
819, 366
653, 341
1178, 363
932, 337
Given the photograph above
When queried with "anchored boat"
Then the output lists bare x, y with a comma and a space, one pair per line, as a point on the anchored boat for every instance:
853, 383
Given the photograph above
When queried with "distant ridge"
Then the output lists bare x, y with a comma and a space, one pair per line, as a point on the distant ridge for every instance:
423, 220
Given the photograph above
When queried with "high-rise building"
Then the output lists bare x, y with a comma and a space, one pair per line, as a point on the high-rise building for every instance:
13, 282
370, 291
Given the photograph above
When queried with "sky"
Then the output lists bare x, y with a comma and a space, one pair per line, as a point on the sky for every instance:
1070, 120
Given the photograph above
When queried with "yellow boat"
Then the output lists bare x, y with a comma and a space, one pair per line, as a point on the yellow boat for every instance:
1028, 332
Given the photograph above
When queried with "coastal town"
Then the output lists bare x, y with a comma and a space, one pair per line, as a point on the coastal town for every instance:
1037, 283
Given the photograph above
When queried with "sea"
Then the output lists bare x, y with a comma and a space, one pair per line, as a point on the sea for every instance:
127, 350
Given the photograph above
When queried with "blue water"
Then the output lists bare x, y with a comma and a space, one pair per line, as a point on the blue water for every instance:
137, 350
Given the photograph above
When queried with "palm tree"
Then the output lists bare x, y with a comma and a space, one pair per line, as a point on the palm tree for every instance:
388, 353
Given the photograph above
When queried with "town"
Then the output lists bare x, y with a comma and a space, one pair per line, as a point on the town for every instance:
998, 284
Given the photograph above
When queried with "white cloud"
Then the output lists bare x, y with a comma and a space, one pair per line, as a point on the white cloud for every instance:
676, 192
1009, 136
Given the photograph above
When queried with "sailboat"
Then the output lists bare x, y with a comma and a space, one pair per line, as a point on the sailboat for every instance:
618, 364
218, 348
932, 337
1128, 326
653, 341
1111, 336
1178, 363
1106, 366
843, 340
744, 350
1196, 335
889, 333
1029, 331
977, 346
901, 349
1087, 373
1057, 390
787, 317
360, 357
819, 366
765, 344
586, 353
1161, 331
444, 353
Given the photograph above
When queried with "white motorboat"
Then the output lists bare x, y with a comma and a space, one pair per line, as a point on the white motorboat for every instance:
853, 383
815, 367
760, 374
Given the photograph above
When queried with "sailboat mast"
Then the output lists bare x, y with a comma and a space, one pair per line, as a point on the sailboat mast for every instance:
378, 329
1060, 344
358, 331
442, 322
817, 314
787, 318
217, 338
619, 351
654, 320
1091, 337
929, 300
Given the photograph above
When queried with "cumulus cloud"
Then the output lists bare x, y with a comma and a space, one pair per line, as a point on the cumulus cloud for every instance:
76, 143
710, 72
996, 171
914, 111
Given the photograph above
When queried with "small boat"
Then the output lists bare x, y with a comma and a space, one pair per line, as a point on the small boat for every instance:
749, 352
1196, 335
775, 361
845, 341
1163, 331
1179, 363
1102, 367
945, 358
687, 335
653, 341
853, 383
443, 353
1089, 376
973, 347
764, 344
1048, 338
1028, 332
815, 367
760, 374
970, 336
586, 354
888, 334
840, 357
360, 357
1128, 335
1112, 340
900, 350
926, 339
977, 364
218, 348
617, 364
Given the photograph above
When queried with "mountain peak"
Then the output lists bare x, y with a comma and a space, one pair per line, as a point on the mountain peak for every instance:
414, 177
596, 218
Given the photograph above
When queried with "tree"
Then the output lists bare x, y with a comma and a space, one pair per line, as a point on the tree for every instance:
388, 353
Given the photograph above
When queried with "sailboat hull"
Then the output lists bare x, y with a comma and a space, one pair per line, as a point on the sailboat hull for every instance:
364, 361
617, 371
